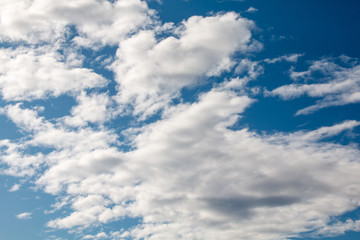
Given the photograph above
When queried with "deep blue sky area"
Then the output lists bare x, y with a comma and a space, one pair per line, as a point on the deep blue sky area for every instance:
316, 28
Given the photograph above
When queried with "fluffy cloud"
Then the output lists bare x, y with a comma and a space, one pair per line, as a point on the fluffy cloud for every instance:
190, 176
42, 21
27, 74
84, 147
340, 86
93, 109
247, 187
151, 71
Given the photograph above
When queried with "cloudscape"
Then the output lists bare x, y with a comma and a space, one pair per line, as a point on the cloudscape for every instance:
174, 119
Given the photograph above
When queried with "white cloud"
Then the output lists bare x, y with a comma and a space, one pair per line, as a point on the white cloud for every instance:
151, 72
190, 176
318, 134
93, 108
340, 86
24, 216
42, 21
27, 74
206, 181
252, 9
293, 58
15, 188
19, 164
97, 236
338, 228
187, 175
86, 210
83, 147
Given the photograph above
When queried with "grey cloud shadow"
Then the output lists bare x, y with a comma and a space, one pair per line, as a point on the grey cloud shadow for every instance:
242, 206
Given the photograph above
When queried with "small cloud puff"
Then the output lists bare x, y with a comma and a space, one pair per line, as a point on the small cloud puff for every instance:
15, 188
252, 9
97, 236
24, 216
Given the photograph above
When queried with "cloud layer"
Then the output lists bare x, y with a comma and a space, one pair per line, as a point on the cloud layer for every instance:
181, 169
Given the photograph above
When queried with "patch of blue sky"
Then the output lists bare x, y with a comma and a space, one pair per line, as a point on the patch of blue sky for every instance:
317, 28
9, 129
52, 107
353, 215
24, 200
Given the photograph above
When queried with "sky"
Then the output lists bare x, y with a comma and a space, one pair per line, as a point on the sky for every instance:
174, 119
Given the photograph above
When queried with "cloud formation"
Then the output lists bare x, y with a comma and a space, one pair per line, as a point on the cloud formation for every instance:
183, 187
340, 85
152, 71
97, 22
193, 172
27, 74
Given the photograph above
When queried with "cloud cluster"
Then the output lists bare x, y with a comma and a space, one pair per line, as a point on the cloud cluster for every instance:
188, 174
97, 22
151, 71
340, 85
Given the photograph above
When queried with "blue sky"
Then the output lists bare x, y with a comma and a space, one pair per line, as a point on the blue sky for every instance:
174, 119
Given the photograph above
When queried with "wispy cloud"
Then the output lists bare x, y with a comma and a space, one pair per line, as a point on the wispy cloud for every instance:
293, 58
339, 86
15, 188
252, 9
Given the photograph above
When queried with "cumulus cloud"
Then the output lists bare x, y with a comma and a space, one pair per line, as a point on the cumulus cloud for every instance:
90, 109
340, 86
247, 180
151, 71
42, 21
27, 74
83, 146
188, 174
182, 186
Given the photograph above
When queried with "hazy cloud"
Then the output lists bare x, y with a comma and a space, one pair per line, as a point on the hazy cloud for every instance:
24, 216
